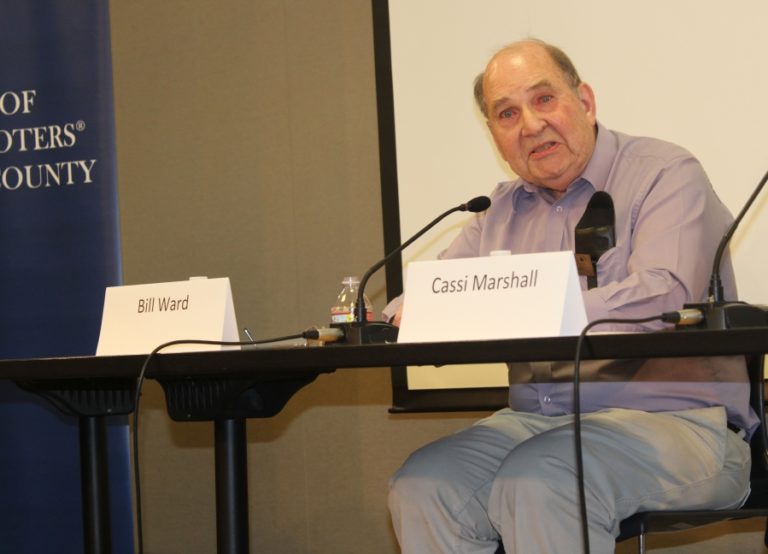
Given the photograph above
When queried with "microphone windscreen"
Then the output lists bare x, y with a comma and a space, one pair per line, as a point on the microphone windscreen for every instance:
477, 204
599, 211
595, 232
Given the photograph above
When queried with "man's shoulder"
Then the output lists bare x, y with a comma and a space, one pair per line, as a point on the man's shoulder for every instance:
505, 188
644, 163
646, 148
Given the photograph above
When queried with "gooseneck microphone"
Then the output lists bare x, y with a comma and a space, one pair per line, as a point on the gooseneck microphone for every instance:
718, 313
715, 283
476, 205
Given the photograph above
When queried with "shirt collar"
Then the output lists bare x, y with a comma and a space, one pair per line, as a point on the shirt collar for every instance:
599, 167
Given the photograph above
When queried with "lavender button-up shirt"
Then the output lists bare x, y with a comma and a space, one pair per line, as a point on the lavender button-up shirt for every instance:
669, 222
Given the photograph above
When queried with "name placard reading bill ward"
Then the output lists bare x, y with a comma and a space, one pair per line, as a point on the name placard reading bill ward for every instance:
497, 297
138, 318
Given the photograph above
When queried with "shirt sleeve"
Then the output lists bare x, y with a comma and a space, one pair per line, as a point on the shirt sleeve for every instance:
391, 308
676, 223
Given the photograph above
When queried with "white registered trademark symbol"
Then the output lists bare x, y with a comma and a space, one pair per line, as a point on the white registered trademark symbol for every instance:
80, 125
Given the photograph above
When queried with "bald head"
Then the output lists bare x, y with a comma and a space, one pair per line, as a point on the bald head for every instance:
559, 58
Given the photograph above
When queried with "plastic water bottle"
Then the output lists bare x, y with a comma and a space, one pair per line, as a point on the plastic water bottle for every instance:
343, 311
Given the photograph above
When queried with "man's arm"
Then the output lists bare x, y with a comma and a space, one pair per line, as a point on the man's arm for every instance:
676, 227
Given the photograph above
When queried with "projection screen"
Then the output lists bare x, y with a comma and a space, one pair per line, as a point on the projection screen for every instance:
688, 72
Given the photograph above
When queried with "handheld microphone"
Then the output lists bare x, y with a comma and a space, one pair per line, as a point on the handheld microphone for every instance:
595, 234
718, 313
364, 332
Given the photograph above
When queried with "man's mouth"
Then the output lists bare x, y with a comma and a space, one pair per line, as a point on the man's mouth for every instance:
543, 149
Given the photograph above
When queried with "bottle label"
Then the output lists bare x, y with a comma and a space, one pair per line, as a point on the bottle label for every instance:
348, 317
342, 317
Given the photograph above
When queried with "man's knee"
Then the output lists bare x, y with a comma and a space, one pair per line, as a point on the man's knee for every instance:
438, 486
415, 482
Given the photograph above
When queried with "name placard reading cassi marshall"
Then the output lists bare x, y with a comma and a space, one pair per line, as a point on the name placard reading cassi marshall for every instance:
497, 297
485, 281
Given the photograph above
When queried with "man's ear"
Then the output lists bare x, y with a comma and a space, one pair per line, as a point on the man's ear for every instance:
587, 98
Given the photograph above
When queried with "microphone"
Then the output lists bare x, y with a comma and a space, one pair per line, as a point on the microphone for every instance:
717, 313
476, 205
595, 234
365, 332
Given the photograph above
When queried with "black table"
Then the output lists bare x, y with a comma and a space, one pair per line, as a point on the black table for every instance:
227, 387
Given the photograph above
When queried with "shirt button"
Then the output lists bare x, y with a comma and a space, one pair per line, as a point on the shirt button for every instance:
547, 399
559, 209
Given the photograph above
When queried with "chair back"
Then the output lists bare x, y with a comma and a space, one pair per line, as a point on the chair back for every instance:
759, 443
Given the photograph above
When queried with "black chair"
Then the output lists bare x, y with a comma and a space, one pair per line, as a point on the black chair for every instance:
756, 505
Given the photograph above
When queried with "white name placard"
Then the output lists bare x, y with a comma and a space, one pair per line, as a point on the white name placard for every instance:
496, 297
138, 318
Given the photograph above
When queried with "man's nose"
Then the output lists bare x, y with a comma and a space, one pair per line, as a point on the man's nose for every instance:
533, 124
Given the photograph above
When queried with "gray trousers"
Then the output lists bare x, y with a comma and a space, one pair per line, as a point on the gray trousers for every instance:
513, 476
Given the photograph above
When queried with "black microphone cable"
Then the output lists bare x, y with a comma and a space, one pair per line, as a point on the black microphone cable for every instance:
314, 333
667, 317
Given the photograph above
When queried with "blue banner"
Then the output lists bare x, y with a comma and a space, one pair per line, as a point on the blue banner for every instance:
59, 242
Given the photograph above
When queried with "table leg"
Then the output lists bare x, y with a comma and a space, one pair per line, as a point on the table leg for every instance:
94, 475
231, 486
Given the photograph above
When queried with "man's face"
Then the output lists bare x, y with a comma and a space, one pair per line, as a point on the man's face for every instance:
543, 128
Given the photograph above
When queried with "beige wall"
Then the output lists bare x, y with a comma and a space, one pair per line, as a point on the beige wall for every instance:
247, 147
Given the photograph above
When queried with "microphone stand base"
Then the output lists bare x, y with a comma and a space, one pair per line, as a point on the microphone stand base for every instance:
728, 315
367, 332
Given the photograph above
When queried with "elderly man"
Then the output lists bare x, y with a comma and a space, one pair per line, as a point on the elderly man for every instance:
658, 434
